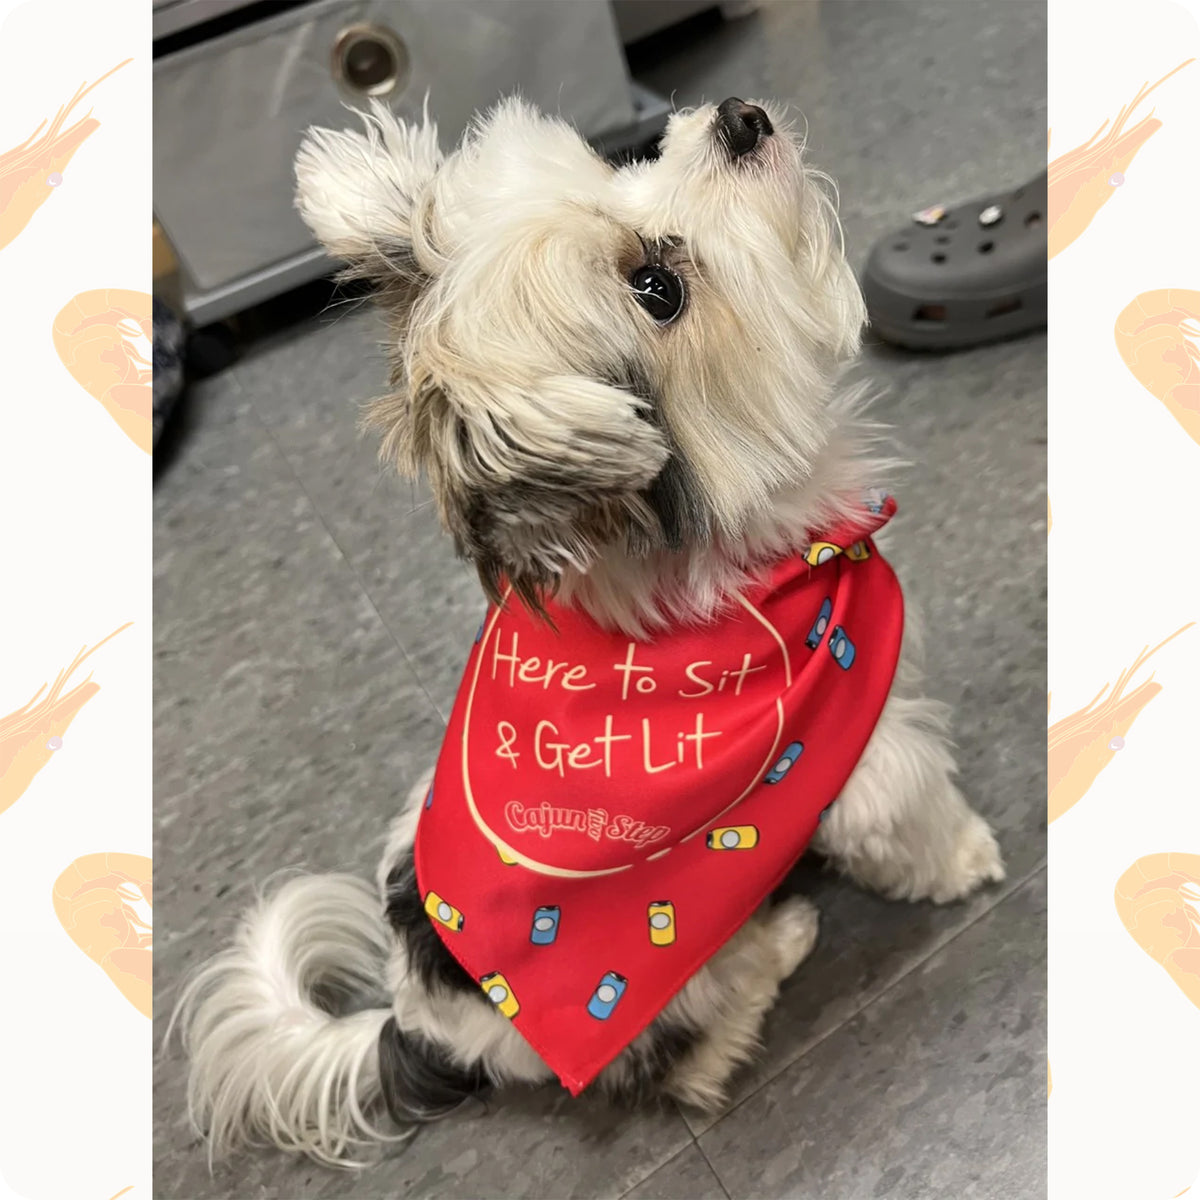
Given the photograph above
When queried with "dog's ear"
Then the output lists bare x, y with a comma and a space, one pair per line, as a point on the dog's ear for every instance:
528, 480
360, 193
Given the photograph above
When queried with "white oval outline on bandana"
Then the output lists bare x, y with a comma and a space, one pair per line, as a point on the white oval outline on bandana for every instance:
568, 872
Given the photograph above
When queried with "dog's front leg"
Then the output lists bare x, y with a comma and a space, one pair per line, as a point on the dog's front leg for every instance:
900, 826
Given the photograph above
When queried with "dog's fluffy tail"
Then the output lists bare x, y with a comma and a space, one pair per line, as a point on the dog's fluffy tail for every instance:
283, 1044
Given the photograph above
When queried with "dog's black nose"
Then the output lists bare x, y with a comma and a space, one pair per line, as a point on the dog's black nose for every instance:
741, 126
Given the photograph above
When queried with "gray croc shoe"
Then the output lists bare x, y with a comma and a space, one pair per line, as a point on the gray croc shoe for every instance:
960, 276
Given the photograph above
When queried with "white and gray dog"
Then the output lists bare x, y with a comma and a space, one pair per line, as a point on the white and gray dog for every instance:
624, 386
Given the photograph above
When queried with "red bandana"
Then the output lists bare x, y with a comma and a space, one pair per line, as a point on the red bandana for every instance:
607, 812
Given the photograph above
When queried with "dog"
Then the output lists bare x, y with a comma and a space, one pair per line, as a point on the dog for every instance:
626, 387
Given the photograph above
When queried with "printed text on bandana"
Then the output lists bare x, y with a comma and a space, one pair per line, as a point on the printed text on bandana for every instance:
623, 743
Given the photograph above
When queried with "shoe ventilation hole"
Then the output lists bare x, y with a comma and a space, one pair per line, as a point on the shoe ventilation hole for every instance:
986, 247
930, 312
1018, 193
942, 239
938, 258
1002, 307
900, 246
1034, 218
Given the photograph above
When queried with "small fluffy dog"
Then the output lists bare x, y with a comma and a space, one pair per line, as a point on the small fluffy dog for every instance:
624, 388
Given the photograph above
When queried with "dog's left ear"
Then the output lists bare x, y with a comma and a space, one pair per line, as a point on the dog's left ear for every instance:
359, 192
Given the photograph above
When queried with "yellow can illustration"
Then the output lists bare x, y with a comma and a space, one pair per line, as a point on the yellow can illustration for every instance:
821, 552
858, 551
505, 857
733, 837
440, 910
496, 988
661, 915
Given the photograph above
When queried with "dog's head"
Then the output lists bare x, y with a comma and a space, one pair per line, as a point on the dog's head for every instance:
585, 355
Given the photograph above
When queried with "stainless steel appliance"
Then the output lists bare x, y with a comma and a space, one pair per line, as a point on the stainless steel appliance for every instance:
237, 83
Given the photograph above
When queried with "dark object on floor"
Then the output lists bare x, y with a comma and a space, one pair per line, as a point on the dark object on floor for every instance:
211, 349
955, 277
170, 344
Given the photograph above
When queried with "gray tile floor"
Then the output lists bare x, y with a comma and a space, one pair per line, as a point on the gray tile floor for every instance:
311, 624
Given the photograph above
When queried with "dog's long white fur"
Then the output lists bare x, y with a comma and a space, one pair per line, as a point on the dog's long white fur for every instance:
268, 1064
499, 264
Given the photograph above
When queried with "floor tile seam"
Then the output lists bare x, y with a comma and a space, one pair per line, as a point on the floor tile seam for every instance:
713, 1168
936, 949
662, 1166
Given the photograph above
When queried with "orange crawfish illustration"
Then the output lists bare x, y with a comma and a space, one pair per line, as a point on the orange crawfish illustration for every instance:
31, 171
1158, 337
105, 903
1083, 744
1158, 901
104, 339
1082, 181
29, 736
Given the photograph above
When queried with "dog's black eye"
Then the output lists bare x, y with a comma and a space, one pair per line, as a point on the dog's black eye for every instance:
659, 291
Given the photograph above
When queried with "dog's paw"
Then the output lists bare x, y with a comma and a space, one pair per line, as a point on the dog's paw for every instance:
794, 924
974, 860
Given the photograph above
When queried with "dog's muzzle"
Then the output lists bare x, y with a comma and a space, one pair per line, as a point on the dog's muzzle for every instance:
741, 126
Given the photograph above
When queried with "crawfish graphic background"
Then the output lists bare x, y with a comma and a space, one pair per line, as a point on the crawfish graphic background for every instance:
31, 171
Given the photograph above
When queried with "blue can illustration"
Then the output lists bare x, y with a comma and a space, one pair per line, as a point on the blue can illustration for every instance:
876, 499
429, 797
842, 648
817, 632
784, 764
479, 631
608, 991
545, 925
